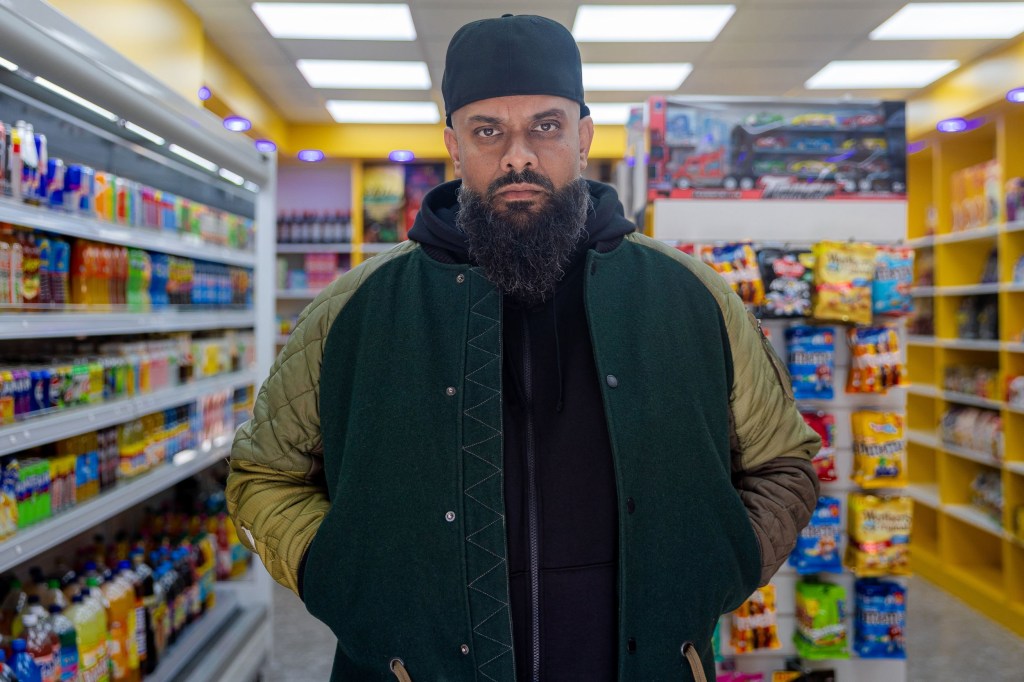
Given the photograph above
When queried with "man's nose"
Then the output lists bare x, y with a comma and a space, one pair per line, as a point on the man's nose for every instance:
519, 155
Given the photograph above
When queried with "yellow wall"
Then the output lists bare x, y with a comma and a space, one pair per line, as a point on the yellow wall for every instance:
238, 94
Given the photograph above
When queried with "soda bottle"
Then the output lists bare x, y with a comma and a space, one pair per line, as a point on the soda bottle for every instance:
119, 609
6, 671
136, 649
43, 645
53, 595
90, 622
68, 637
13, 604
25, 669
145, 602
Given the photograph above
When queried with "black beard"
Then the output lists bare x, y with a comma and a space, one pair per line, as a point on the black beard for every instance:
524, 250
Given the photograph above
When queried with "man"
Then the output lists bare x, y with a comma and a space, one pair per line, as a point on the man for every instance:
528, 444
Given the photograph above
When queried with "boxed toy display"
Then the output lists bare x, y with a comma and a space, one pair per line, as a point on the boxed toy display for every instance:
811, 353
880, 621
879, 535
820, 621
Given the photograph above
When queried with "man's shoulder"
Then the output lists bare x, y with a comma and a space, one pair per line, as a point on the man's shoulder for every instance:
704, 273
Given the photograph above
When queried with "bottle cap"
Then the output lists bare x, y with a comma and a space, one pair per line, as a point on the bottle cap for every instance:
33, 599
77, 599
18, 645
30, 620
55, 608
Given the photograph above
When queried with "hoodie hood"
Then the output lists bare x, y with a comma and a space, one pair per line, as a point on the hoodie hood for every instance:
435, 223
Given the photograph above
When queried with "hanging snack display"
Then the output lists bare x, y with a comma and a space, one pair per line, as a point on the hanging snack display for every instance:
894, 275
824, 424
820, 621
880, 620
875, 364
811, 353
755, 622
788, 276
737, 263
879, 449
879, 535
817, 546
843, 273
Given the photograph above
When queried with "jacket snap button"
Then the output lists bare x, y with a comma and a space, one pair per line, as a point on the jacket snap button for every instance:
450, 391
461, 278
631, 645
449, 517
612, 381
630, 505
464, 649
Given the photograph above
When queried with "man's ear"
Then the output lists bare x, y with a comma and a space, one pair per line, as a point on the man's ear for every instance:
452, 143
586, 139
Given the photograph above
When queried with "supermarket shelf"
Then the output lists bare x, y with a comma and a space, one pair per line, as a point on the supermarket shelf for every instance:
1017, 226
16, 325
969, 290
1013, 288
925, 493
43, 536
150, 239
1014, 347
925, 242
377, 248
973, 455
922, 340
924, 390
923, 292
340, 247
969, 344
297, 294
71, 422
1015, 467
990, 232
924, 438
973, 400
975, 517
198, 636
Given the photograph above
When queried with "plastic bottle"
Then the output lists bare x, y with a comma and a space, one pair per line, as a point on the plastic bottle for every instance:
6, 671
136, 648
68, 638
43, 645
14, 603
25, 668
120, 606
90, 622
145, 602
53, 595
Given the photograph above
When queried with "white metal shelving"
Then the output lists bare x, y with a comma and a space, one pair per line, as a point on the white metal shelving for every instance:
71, 422
71, 225
21, 325
925, 493
341, 247
297, 294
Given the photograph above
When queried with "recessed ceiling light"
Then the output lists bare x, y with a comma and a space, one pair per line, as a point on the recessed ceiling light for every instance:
310, 155
347, 111
312, 20
610, 114
237, 124
265, 146
1016, 95
635, 76
81, 101
142, 132
882, 73
193, 157
204, 93
10, 66
953, 21
358, 75
650, 23
401, 156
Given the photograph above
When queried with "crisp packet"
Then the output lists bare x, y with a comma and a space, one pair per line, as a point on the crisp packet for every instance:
811, 353
755, 622
737, 263
820, 621
817, 546
894, 275
879, 535
879, 449
824, 424
843, 273
788, 277
875, 364
881, 619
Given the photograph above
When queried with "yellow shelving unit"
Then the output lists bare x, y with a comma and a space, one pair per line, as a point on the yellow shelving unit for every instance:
955, 545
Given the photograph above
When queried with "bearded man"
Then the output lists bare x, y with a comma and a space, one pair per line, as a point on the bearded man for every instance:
529, 443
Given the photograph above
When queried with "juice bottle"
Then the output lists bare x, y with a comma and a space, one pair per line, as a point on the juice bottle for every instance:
120, 606
44, 249
120, 275
80, 272
53, 596
90, 624
43, 645
104, 272
16, 272
30, 269
136, 648
68, 639
5, 273
25, 668
60, 269
14, 603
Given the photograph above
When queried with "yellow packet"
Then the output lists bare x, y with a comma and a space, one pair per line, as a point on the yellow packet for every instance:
879, 450
755, 622
843, 275
879, 530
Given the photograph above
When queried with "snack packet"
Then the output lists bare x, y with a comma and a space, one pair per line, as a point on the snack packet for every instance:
817, 546
820, 621
737, 263
879, 535
894, 275
881, 619
811, 353
755, 624
824, 424
879, 449
875, 364
843, 273
788, 277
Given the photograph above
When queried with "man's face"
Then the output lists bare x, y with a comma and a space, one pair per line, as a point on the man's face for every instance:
538, 136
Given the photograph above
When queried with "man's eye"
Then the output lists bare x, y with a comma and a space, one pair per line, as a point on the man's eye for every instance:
547, 127
487, 132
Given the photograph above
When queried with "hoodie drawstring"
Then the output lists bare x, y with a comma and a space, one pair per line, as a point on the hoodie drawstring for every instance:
558, 354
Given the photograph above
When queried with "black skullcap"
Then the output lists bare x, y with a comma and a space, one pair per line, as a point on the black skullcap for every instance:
513, 55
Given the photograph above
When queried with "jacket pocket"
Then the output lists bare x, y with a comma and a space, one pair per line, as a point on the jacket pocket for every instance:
691, 656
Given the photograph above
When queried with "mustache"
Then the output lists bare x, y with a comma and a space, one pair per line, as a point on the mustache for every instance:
523, 177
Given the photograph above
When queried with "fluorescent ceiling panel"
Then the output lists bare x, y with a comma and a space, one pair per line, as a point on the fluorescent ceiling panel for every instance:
640, 77
604, 113
311, 20
349, 111
898, 73
650, 23
360, 75
81, 101
953, 21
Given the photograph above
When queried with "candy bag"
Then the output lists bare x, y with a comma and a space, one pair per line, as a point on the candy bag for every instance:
754, 623
881, 619
820, 621
894, 275
879, 532
879, 450
788, 277
811, 361
843, 273
817, 546
737, 263
875, 364
824, 462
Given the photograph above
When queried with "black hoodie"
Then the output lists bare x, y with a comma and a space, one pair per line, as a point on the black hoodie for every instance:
559, 481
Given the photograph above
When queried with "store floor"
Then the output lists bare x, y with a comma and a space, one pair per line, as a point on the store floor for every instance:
948, 641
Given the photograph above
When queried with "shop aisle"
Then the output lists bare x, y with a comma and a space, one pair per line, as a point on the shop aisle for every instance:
948, 642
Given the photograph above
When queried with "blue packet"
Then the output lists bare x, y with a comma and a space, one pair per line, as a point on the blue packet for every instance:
894, 275
881, 619
817, 547
812, 355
